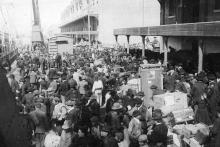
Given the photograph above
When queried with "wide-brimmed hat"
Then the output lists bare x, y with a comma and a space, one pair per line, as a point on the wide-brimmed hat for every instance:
153, 87
117, 106
141, 94
211, 77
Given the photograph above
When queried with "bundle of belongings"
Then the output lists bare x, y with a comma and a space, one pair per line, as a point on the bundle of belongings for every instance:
199, 132
175, 103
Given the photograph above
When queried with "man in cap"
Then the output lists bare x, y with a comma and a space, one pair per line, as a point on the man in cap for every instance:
212, 96
157, 133
41, 122
64, 88
43, 83
14, 84
113, 116
124, 88
82, 85
28, 99
26, 86
179, 86
57, 109
134, 129
199, 100
53, 83
94, 106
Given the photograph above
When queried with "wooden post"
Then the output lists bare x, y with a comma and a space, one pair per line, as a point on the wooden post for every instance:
116, 41
165, 48
76, 39
143, 45
200, 51
128, 43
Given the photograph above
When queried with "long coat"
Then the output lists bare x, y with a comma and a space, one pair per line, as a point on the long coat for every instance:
197, 91
216, 132
40, 119
213, 96
201, 110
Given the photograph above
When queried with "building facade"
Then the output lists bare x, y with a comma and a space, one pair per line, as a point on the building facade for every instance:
105, 16
184, 11
7, 36
192, 26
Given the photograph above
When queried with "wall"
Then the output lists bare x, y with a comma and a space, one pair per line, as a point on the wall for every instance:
179, 43
190, 11
60, 48
213, 15
52, 46
123, 14
65, 48
212, 46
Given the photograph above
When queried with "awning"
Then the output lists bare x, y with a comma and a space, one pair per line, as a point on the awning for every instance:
80, 33
74, 19
201, 29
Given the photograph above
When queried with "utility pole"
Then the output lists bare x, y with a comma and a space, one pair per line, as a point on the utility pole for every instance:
89, 24
143, 13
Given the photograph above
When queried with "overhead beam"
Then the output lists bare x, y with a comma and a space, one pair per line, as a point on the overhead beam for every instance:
202, 29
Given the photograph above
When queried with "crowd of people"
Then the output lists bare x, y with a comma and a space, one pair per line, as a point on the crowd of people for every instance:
73, 101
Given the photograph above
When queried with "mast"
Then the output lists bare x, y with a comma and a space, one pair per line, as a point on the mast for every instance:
37, 37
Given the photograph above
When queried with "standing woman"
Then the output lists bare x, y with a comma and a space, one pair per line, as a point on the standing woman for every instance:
97, 89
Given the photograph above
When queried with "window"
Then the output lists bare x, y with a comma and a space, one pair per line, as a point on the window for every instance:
171, 7
217, 4
62, 42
